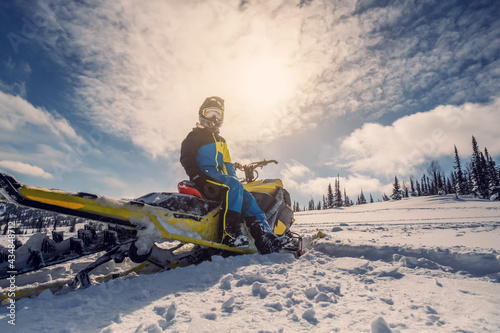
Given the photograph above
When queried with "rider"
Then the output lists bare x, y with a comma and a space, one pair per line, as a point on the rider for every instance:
205, 157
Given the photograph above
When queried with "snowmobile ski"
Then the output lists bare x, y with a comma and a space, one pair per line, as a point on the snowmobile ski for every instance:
159, 260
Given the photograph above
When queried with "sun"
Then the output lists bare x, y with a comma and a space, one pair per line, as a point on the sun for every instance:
267, 81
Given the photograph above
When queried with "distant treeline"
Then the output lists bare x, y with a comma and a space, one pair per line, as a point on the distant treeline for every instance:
480, 177
34, 220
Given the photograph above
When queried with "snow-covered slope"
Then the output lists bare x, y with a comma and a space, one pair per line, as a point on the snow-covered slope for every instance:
427, 264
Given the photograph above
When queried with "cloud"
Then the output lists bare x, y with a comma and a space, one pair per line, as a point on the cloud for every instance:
25, 168
18, 116
148, 71
299, 178
143, 71
295, 170
34, 140
415, 139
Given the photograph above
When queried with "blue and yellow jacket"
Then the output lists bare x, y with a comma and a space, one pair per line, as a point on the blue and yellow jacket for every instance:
205, 151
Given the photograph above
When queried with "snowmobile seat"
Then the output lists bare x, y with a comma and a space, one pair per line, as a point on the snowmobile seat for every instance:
179, 202
212, 191
188, 187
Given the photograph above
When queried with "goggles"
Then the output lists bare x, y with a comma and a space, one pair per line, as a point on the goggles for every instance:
213, 112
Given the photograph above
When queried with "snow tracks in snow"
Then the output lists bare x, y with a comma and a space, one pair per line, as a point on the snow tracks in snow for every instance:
473, 263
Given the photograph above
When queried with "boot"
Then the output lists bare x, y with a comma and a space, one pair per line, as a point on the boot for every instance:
265, 241
279, 242
232, 235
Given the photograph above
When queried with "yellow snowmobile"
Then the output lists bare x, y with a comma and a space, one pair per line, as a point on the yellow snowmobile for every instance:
134, 227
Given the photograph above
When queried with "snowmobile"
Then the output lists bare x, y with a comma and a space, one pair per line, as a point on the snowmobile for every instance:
137, 229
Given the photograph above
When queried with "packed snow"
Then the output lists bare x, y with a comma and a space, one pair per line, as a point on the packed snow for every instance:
427, 264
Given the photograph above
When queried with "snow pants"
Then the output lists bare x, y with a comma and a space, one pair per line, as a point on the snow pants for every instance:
239, 199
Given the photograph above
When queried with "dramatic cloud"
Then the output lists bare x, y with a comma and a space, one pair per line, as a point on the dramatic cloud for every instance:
415, 139
144, 70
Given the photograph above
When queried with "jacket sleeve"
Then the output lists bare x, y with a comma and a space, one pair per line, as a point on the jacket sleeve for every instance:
230, 169
227, 162
189, 150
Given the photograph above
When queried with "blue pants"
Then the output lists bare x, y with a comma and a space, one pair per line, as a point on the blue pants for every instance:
240, 200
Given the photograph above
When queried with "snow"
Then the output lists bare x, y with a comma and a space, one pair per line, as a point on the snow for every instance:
417, 265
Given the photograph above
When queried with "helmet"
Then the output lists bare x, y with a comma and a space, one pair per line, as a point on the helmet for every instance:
212, 113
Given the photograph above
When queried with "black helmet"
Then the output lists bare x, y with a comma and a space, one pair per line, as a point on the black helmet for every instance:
212, 112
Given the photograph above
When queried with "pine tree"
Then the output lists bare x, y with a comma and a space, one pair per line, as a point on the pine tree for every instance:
329, 197
440, 188
396, 190
371, 198
485, 189
311, 204
430, 187
475, 173
347, 201
417, 188
413, 192
338, 195
493, 177
404, 190
435, 186
468, 178
478, 172
361, 198
385, 197
449, 184
425, 191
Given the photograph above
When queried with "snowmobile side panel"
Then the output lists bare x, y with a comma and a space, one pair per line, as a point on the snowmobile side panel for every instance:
273, 201
202, 242
279, 228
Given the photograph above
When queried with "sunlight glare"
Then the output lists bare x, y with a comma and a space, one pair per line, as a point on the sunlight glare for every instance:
267, 82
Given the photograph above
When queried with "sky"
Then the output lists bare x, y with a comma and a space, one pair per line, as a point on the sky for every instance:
97, 96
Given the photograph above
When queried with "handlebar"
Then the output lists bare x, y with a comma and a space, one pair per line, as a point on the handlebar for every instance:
250, 173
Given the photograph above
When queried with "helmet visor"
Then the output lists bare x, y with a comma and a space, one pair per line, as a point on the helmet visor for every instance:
213, 112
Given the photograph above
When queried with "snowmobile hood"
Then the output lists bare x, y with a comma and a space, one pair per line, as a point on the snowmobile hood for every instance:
266, 185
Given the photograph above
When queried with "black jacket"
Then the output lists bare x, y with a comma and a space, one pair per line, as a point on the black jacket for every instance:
205, 151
